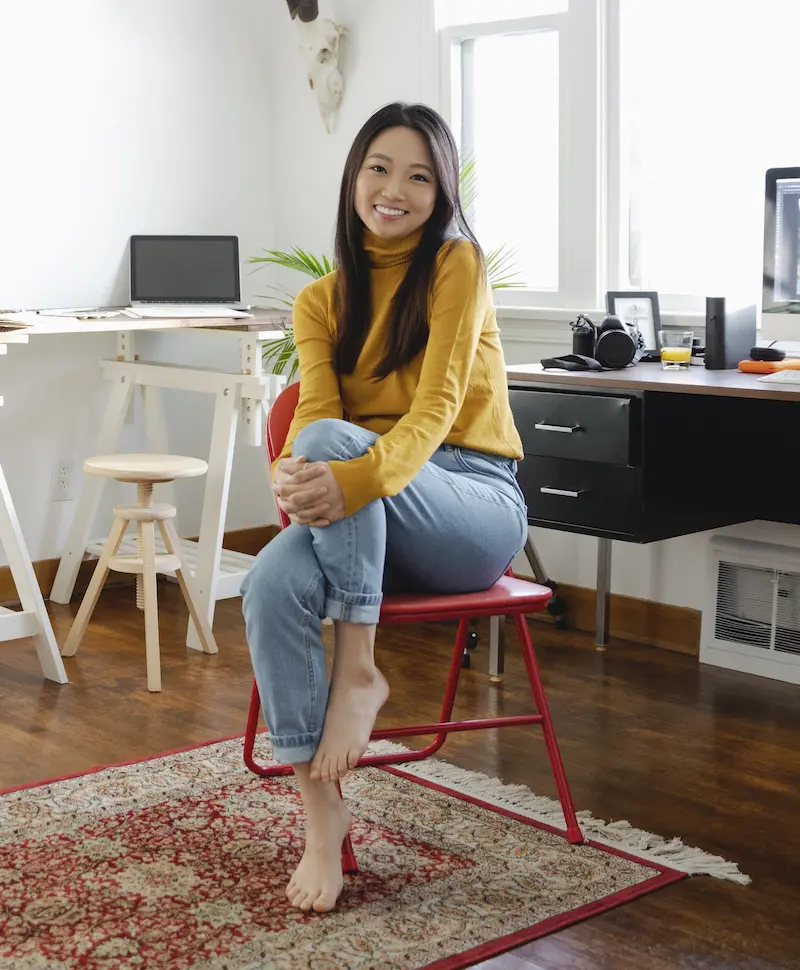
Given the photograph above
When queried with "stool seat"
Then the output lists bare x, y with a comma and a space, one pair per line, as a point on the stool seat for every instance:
145, 467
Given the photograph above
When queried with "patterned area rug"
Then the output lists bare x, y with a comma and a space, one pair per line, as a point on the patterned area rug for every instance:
181, 861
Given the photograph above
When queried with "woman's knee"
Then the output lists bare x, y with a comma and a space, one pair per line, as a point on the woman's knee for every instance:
329, 439
282, 575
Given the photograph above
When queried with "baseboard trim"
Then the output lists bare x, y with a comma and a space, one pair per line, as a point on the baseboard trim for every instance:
660, 625
675, 628
249, 541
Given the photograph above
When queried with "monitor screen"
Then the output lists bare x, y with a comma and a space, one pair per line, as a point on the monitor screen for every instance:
185, 269
782, 237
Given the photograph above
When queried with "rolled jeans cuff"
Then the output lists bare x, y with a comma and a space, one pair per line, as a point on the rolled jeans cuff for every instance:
295, 749
353, 607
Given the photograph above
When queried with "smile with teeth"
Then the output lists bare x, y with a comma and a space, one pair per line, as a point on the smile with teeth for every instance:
386, 211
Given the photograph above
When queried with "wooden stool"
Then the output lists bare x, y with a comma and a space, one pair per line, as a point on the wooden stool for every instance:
145, 470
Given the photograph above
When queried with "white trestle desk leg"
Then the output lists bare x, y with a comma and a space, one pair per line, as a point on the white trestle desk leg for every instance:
118, 404
215, 505
157, 440
33, 614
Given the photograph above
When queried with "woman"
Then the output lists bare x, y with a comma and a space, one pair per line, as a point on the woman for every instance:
399, 466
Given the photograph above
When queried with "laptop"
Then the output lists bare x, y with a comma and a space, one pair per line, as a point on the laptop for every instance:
185, 276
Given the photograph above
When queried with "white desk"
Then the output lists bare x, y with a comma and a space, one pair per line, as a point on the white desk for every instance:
241, 400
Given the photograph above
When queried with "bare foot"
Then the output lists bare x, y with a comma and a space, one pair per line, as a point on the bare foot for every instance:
317, 881
353, 706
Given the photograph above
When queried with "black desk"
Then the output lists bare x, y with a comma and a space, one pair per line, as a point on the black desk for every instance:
645, 454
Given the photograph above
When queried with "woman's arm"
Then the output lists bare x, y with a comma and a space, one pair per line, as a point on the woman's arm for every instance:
458, 305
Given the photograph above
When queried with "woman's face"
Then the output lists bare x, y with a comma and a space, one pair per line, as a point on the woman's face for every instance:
396, 188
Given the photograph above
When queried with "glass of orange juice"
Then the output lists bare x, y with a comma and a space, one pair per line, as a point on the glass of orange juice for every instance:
676, 349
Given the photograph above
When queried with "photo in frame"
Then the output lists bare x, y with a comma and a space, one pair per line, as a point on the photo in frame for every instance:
638, 309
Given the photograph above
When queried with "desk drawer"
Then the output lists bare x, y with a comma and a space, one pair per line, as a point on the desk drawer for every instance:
581, 493
584, 427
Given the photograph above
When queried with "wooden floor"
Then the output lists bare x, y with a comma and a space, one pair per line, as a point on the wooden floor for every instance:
646, 735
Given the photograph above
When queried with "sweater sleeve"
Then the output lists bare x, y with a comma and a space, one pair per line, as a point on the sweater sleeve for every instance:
457, 309
319, 387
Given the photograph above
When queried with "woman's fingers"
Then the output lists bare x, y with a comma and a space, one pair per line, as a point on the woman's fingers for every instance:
308, 473
311, 515
315, 524
298, 497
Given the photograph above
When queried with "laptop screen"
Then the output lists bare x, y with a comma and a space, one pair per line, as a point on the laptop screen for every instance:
185, 269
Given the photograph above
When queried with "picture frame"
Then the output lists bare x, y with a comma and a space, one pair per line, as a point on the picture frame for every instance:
638, 308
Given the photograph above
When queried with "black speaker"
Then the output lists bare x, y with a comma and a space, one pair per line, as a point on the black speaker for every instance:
730, 333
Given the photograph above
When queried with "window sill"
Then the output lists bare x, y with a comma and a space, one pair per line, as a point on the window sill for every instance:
551, 325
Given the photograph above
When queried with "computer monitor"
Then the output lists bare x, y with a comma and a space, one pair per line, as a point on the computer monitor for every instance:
185, 269
780, 307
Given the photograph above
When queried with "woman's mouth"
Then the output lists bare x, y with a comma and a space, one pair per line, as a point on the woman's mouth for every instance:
387, 212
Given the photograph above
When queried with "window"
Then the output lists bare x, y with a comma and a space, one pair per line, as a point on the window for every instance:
623, 144
509, 83
708, 90
516, 157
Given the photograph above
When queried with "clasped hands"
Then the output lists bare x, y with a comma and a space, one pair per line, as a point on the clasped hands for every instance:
308, 492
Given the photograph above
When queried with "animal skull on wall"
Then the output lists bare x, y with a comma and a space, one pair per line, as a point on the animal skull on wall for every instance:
319, 44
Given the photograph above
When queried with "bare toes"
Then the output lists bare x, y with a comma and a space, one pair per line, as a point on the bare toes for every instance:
324, 903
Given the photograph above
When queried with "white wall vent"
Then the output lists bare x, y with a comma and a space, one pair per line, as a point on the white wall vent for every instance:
751, 621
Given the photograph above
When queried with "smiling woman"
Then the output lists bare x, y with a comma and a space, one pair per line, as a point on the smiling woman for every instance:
399, 466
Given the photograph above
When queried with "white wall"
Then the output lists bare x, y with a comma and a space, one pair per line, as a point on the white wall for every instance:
388, 56
119, 117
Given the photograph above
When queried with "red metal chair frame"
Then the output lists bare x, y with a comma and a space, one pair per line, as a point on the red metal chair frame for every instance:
509, 596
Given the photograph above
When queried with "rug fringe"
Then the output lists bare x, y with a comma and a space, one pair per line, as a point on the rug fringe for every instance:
618, 835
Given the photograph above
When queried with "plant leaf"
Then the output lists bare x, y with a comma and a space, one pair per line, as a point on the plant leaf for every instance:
500, 268
297, 259
468, 182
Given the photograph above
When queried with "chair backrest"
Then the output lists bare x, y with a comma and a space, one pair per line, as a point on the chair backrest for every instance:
277, 427
279, 418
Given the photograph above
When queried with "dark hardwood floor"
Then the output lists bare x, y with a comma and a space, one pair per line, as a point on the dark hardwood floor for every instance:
646, 735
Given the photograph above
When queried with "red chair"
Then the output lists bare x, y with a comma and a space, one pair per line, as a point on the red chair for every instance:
508, 596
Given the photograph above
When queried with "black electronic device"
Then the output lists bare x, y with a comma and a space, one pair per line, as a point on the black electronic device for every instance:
767, 353
611, 343
730, 333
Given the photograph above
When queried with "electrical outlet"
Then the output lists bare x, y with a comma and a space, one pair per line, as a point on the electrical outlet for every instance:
64, 490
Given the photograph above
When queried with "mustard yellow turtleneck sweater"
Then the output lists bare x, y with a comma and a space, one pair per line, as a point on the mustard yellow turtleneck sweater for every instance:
454, 391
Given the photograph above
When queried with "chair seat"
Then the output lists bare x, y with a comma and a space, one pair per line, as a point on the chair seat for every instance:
145, 467
508, 596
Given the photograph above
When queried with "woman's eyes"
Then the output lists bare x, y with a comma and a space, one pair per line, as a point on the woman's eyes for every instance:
381, 170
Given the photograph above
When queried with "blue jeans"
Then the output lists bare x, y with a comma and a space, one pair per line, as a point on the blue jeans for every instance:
454, 529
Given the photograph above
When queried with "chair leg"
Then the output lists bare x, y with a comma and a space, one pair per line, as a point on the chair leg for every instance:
574, 833
186, 582
94, 589
150, 593
349, 862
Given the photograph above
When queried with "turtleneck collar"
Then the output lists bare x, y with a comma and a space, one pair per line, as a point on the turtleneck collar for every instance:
390, 252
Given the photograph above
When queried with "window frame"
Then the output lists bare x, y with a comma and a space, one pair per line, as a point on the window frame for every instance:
593, 249
582, 166
582, 169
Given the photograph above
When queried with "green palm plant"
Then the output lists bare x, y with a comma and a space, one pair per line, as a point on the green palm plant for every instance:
280, 353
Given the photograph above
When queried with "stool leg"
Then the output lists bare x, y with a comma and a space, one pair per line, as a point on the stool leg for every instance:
95, 586
150, 606
144, 499
186, 582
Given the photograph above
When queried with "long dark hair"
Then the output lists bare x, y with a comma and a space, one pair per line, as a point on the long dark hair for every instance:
410, 305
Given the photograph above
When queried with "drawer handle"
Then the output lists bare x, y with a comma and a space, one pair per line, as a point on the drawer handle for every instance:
566, 492
563, 428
